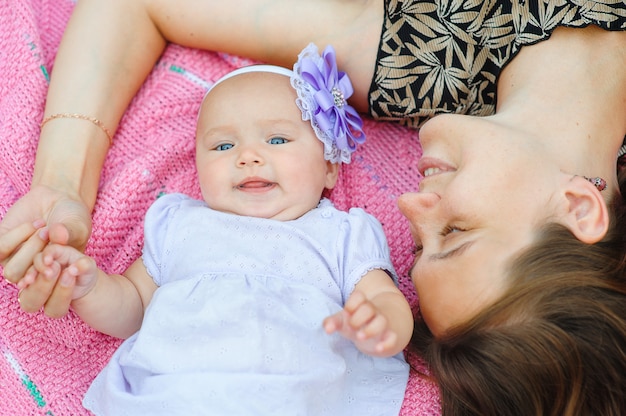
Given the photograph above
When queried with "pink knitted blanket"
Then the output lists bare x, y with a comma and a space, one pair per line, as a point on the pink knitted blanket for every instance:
46, 365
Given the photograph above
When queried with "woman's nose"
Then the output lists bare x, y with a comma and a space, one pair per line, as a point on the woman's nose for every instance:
418, 208
414, 204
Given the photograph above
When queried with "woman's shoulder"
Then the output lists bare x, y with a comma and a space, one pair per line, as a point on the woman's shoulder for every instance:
447, 56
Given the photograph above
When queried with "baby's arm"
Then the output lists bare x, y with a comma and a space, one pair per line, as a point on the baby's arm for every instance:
376, 316
112, 304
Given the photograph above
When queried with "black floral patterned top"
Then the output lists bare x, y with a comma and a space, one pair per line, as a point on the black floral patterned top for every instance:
441, 56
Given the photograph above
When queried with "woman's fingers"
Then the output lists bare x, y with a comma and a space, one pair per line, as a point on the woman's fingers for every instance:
58, 304
18, 247
33, 297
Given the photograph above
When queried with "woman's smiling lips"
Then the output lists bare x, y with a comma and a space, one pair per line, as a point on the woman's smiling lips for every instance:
429, 166
255, 184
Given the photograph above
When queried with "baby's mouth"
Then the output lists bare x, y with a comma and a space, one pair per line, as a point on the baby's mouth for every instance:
253, 184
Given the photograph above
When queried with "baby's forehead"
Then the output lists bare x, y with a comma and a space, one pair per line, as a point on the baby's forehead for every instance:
264, 90
248, 100
261, 81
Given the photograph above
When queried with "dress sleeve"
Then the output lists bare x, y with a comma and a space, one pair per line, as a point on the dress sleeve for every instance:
156, 228
364, 248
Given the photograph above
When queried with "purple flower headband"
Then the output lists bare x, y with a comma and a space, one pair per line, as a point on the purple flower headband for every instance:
322, 94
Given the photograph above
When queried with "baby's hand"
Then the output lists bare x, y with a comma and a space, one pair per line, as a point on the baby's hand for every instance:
362, 323
60, 274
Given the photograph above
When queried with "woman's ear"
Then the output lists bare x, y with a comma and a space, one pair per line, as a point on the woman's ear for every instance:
332, 172
587, 215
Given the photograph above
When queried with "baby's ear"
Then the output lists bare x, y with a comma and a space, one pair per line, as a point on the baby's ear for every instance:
587, 215
332, 172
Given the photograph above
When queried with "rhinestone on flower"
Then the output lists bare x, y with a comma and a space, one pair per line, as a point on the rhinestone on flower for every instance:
338, 97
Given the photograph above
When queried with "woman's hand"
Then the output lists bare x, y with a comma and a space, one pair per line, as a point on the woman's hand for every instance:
42, 215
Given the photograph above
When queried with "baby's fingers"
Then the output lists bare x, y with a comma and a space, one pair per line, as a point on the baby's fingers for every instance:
373, 328
363, 316
355, 300
387, 342
334, 322
376, 337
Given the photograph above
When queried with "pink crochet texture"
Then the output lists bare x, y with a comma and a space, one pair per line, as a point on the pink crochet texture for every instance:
46, 365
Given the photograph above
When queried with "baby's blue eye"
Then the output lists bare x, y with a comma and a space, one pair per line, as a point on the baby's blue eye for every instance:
224, 146
277, 140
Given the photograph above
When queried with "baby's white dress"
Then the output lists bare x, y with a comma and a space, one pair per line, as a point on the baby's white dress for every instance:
235, 327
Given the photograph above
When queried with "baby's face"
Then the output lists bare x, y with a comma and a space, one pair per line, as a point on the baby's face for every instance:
254, 154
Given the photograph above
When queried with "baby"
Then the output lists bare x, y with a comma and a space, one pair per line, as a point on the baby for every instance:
262, 298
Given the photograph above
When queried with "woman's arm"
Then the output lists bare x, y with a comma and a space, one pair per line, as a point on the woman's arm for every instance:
108, 49
275, 31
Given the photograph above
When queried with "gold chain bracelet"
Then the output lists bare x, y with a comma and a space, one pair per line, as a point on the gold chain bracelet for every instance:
81, 117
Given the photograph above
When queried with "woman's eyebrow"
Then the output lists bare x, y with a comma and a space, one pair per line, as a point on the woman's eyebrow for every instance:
457, 251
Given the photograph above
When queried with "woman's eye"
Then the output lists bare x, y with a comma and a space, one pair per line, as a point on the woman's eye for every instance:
277, 140
224, 146
449, 229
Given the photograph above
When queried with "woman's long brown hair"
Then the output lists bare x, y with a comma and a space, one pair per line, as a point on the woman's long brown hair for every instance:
554, 343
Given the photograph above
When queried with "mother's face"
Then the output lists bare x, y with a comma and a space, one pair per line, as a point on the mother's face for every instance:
486, 188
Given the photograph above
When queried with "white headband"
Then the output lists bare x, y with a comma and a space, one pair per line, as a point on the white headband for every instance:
253, 68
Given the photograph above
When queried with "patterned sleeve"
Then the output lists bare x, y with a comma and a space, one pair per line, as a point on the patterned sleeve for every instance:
364, 248
445, 56
156, 227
